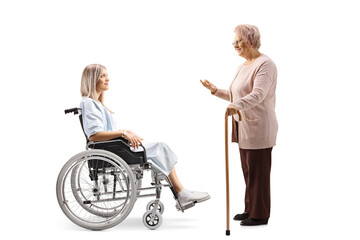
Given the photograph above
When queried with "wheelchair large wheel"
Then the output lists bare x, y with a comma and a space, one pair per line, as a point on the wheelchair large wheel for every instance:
83, 194
104, 182
98, 197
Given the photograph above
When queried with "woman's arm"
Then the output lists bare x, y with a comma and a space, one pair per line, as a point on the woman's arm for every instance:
262, 83
107, 135
221, 93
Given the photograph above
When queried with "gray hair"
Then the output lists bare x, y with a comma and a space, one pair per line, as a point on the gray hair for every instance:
249, 34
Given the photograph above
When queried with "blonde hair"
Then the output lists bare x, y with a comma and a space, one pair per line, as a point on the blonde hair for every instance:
89, 79
250, 34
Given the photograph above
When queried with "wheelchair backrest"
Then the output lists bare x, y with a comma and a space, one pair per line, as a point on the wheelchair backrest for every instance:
82, 127
76, 111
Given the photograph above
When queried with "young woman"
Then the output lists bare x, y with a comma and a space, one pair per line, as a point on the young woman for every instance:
99, 125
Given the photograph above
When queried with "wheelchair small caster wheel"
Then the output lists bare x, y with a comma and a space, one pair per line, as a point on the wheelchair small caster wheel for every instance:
151, 205
152, 224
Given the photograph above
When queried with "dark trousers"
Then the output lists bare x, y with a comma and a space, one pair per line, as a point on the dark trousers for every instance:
256, 165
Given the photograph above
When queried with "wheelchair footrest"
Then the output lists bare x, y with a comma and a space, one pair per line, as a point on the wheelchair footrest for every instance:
185, 206
188, 205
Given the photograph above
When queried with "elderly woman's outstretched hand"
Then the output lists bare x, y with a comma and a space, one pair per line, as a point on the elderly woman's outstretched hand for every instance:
209, 86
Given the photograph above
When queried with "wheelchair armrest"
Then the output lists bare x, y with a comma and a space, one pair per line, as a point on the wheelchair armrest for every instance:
124, 146
120, 139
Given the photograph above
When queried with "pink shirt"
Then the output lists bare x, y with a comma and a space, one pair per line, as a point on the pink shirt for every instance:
252, 92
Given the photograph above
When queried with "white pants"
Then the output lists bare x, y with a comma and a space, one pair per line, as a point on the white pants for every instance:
163, 159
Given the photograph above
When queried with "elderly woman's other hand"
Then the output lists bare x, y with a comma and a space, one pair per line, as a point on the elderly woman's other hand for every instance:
209, 86
232, 110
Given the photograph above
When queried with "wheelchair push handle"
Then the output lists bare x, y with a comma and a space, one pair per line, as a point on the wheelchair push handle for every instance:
72, 110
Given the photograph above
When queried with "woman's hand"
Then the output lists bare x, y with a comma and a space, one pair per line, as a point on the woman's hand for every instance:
209, 86
133, 138
232, 110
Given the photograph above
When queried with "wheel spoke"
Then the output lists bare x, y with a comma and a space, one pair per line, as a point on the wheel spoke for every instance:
94, 206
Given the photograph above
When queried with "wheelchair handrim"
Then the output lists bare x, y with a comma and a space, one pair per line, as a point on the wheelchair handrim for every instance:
74, 189
126, 172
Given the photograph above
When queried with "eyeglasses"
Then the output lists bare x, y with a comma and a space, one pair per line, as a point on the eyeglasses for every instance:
236, 42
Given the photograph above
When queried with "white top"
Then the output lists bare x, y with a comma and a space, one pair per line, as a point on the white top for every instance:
96, 117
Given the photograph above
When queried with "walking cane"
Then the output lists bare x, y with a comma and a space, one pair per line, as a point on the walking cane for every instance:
227, 174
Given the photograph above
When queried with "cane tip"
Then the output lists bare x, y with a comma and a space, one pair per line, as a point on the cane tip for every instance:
227, 232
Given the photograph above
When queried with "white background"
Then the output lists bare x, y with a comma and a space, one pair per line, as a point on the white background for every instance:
155, 53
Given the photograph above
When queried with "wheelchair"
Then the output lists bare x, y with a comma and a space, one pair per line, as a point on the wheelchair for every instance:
97, 188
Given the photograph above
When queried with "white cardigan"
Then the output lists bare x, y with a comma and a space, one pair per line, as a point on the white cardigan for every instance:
255, 99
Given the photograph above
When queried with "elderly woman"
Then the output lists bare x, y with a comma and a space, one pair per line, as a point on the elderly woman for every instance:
252, 94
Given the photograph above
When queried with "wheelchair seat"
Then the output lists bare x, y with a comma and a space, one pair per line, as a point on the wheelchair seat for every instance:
122, 149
